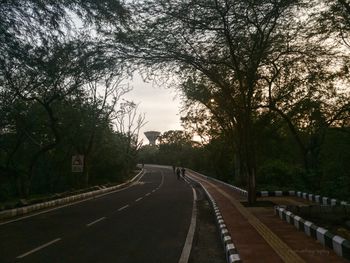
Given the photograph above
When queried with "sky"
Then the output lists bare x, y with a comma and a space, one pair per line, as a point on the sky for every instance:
161, 106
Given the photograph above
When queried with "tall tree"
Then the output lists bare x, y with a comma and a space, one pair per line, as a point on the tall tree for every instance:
334, 19
223, 44
44, 57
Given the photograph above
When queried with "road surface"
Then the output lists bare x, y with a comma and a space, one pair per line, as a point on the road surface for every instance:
147, 222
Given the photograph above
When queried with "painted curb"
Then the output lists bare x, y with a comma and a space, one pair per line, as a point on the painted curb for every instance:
231, 252
311, 197
6, 214
338, 244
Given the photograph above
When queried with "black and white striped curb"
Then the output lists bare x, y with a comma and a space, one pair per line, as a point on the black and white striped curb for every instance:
311, 197
340, 245
62, 201
275, 193
235, 188
231, 252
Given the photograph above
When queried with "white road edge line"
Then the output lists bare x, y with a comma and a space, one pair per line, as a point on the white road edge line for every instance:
189, 239
73, 203
96, 221
138, 199
122, 208
39, 248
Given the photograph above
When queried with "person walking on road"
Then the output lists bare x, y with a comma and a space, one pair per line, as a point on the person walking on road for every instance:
178, 173
174, 169
183, 172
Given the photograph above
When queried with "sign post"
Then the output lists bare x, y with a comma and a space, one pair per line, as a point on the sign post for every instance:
77, 163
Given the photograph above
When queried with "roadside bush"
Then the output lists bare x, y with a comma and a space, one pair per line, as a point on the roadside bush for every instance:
279, 175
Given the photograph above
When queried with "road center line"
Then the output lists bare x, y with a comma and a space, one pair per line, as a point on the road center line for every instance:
96, 221
147, 194
138, 199
39, 248
122, 208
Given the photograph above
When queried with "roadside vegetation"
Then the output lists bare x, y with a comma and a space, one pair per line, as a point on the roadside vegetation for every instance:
62, 95
279, 162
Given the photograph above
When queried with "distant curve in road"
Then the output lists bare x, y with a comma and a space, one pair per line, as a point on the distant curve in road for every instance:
147, 222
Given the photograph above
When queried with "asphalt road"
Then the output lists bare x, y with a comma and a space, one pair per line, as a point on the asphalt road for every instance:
147, 222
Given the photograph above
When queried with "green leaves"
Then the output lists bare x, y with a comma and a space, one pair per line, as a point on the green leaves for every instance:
51, 51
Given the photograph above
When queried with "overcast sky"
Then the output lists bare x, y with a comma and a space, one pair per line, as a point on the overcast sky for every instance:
160, 104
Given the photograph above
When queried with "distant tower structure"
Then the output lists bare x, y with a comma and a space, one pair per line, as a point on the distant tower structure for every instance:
152, 136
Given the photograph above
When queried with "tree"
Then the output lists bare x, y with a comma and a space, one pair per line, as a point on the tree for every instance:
334, 20
50, 74
173, 147
223, 46
308, 91
199, 121
44, 59
102, 99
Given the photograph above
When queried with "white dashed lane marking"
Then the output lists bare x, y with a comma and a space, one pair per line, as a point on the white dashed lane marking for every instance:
39, 248
122, 208
96, 221
138, 199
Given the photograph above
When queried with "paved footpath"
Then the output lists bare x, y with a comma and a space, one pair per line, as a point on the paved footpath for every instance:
260, 235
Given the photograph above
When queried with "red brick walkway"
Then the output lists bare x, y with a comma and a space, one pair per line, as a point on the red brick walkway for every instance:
260, 235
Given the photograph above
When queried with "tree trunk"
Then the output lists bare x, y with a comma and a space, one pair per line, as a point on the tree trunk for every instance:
248, 146
237, 166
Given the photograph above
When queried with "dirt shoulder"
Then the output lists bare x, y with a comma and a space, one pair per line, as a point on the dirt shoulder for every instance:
207, 246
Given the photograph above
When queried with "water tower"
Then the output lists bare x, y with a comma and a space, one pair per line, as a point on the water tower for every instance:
152, 136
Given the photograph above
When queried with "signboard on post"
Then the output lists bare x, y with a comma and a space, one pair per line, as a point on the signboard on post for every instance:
77, 163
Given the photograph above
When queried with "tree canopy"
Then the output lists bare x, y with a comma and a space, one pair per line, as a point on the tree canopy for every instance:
61, 95
241, 59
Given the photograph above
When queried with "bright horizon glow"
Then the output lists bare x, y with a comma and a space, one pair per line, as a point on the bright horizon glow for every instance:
161, 106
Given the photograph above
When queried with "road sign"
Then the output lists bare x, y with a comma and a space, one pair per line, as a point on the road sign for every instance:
77, 163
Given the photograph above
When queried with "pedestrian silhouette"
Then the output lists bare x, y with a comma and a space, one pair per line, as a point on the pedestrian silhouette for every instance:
178, 173
183, 172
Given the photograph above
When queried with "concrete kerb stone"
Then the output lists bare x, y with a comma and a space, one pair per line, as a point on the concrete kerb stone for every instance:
27, 209
232, 255
311, 197
339, 245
